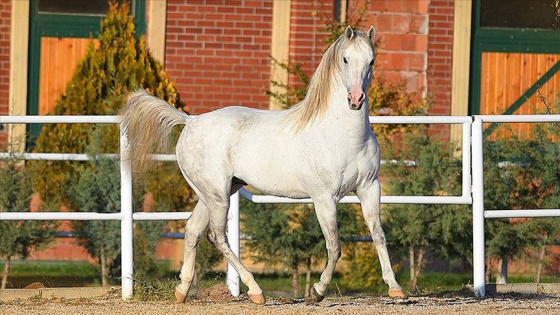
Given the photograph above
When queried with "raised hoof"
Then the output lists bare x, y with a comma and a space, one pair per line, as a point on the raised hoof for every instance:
397, 294
257, 298
180, 297
314, 297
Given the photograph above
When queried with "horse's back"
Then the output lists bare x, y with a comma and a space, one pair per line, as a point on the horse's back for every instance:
250, 144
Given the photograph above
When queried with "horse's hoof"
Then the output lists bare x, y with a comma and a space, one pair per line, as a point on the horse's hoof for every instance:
397, 294
314, 297
180, 297
257, 298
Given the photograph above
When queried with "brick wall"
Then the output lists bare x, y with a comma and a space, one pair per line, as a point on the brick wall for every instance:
307, 33
440, 53
402, 28
416, 45
217, 52
5, 20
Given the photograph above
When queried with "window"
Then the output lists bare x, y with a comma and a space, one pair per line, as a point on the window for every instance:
76, 7
519, 14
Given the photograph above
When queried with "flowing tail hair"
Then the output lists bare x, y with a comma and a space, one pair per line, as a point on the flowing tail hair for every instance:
148, 121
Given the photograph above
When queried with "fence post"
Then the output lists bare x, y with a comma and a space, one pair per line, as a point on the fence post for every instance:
478, 207
233, 239
127, 254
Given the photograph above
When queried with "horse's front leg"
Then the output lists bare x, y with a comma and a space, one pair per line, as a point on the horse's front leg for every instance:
326, 214
370, 202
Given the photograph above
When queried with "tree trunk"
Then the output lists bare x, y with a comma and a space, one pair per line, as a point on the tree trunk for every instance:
415, 271
502, 276
104, 271
488, 273
539, 266
412, 267
6, 271
295, 278
308, 278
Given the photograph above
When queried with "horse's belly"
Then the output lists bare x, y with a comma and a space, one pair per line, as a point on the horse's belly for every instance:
272, 178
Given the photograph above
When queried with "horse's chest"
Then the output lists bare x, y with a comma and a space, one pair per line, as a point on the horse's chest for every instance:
343, 169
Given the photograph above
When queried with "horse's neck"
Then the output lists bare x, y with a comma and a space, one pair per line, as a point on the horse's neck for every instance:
345, 119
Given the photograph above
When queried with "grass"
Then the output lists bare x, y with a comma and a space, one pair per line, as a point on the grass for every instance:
161, 287
51, 273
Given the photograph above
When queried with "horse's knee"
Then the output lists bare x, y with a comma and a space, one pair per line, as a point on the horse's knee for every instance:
216, 239
334, 252
378, 238
191, 239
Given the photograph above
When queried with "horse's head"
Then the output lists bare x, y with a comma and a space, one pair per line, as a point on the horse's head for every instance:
356, 63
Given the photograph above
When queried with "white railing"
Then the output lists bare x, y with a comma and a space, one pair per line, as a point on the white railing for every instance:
126, 215
471, 193
479, 213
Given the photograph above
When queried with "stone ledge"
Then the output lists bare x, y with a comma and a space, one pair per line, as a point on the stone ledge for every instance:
49, 293
523, 288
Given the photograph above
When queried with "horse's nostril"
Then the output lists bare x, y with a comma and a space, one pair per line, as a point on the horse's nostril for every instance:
362, 97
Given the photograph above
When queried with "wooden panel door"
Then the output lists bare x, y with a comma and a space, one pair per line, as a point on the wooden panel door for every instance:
506, 76
515, 56
59, 58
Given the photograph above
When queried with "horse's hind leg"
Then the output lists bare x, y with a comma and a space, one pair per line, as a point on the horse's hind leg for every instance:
195, 227
217, 236
370, 202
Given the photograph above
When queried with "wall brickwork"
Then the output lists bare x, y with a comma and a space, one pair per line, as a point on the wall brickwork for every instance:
402, 28
416, 45
217, 52
5, 20
440, 53
307, 35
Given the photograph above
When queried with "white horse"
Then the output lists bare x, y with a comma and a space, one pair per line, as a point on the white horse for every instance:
323, 148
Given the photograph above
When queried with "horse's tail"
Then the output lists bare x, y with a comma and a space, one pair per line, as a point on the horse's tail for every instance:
148, 121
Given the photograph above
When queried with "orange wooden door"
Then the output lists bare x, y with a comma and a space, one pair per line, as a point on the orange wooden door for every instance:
506, 76
59, 58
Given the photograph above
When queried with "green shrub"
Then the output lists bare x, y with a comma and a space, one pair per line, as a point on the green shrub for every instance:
99, 86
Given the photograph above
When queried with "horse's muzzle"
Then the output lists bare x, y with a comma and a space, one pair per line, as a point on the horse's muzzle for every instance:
355, 103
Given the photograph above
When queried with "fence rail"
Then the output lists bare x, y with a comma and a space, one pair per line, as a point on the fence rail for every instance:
471, 194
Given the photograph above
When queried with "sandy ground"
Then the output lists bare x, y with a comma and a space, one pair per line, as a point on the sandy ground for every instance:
218, 303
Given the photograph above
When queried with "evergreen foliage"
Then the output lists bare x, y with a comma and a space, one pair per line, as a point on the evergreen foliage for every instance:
98, 190
282, 235
19, 238
99, 86
522, 174
425, 166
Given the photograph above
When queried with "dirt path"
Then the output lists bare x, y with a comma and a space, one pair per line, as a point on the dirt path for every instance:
456, 303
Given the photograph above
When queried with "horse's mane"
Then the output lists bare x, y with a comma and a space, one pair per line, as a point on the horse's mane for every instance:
316, 101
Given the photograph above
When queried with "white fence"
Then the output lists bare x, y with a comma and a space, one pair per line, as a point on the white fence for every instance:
471, 193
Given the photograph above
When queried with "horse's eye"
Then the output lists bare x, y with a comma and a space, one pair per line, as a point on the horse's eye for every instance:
345, 60
371, 63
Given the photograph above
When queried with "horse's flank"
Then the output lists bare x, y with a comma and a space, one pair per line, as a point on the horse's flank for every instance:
317, 99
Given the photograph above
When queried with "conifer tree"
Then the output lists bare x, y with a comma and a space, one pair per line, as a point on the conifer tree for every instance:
18, 238
99, 86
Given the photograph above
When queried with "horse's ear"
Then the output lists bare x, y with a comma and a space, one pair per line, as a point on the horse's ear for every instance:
349, 32
371, 33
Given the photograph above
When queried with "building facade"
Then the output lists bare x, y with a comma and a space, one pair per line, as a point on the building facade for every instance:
470, 56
